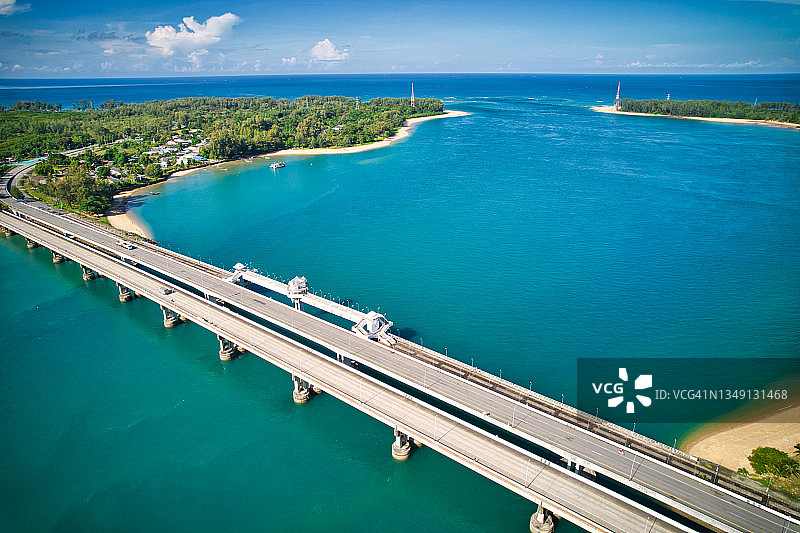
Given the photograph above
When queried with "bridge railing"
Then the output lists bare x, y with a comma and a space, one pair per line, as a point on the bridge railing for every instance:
711, 472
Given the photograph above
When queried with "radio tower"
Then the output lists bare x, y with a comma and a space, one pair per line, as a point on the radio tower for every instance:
616, 100
412, 94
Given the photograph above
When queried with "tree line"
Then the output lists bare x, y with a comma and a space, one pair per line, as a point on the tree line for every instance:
234, 126
777, 111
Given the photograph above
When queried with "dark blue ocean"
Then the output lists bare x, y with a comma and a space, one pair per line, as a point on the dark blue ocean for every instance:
522, 237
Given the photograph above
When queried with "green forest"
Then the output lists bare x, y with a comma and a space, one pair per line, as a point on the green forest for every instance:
234, 126
778, 111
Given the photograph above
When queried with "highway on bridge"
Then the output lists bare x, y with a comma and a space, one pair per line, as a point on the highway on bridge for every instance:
561, 491
703, 501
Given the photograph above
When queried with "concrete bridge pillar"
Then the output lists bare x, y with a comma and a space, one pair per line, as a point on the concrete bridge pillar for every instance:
88, 274
124, 293
8, 232
31, 244
170, 317
300, 393
401, 447
542, 521
58, 258
226, 349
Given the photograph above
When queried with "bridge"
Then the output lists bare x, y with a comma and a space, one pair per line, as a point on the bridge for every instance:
426, 397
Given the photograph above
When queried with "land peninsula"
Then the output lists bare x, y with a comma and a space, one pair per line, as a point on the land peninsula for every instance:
783, 114
120, 216
135, 145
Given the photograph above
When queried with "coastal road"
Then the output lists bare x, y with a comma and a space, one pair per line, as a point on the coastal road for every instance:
593, 508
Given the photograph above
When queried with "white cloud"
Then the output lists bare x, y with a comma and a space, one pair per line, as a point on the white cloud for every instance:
191, 36
17, 67
288, 60
107, 65
109, 51
9, 7
326, 51
194, 58
753, 63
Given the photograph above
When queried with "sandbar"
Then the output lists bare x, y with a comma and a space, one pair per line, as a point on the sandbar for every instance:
611, 109
729, 444
402, 133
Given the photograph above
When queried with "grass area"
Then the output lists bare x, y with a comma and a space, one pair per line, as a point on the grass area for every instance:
789, 486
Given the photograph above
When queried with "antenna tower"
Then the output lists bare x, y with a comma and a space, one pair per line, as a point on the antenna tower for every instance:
412, 94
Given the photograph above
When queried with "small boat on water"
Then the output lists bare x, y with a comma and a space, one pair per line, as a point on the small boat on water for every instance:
277, 164
154, 193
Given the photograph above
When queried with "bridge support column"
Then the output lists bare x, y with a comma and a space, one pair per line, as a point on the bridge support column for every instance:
31, 244
170, 317
300, 393
226, 349
124, 293
542, 521
88, 274
8, 232
401, 447
58, 258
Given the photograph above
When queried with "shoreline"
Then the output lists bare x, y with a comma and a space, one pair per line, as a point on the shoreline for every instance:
730, 442
402, 133
612, 110
121, 218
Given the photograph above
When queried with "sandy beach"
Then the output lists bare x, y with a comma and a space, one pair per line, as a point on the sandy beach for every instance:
611, 109
729, 444
402, 133
119, 216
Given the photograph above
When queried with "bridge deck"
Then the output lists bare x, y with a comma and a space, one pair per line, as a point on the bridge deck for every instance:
472, 391
593, 508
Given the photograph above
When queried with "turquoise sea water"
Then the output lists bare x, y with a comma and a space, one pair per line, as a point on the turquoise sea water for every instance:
528, 234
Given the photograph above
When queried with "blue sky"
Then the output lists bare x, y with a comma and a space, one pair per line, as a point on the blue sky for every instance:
91, 38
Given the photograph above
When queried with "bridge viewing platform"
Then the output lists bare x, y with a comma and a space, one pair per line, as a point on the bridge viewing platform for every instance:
456, 409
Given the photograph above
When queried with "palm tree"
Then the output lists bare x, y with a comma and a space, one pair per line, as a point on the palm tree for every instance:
789, 468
